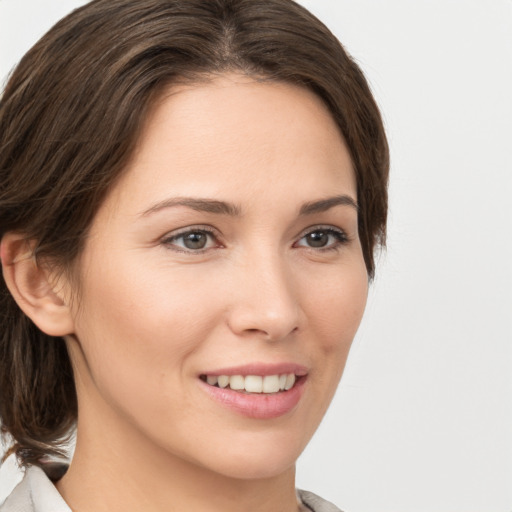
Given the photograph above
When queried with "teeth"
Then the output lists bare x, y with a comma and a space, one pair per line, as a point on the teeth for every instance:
223, 381
271, 383
212, 380
254, 383
237, 382
290, 381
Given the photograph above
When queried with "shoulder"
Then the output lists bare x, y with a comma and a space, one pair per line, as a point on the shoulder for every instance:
315, 503
35, 493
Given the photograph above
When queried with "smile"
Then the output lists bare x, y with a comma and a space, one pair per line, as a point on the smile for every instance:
252, 383
257, 391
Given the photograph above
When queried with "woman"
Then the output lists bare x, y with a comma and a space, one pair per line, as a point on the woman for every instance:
191, 196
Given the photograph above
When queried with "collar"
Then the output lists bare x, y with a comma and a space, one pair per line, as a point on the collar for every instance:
37, 493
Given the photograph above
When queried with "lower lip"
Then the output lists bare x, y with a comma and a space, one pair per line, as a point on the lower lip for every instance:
262, 406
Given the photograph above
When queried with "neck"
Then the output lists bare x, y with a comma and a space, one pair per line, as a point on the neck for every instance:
106, 476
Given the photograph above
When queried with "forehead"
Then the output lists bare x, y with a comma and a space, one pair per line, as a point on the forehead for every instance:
235, 135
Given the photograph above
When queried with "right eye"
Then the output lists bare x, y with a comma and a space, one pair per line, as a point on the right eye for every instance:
192, 241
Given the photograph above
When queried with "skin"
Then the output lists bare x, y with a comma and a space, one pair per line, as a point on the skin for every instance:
152, 315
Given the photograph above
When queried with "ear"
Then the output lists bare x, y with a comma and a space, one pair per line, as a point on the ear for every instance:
39, 296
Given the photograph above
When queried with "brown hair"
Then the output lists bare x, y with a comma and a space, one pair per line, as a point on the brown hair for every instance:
71, 114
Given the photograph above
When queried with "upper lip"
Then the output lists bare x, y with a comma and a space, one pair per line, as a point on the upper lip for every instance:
262, 369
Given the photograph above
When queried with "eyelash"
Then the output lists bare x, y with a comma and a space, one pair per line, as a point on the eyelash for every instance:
169, 241
339, 235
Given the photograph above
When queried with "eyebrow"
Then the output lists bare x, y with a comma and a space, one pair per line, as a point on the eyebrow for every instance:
200, 205
326, 204
224, 208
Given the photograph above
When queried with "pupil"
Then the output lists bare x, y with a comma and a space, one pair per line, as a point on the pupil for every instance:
318, 239
195, 240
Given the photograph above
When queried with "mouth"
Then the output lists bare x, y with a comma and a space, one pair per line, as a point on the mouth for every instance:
254, 384
257, 390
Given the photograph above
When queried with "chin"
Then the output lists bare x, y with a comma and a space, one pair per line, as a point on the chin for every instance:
256, 458
249, 469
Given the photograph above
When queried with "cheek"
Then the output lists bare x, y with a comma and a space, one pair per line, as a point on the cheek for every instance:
145, 299
336, 308
137, 339
135, 330
335, 313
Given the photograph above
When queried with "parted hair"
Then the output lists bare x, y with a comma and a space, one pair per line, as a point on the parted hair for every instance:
71, 114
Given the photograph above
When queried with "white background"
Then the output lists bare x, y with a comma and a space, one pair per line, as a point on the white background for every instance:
423, 419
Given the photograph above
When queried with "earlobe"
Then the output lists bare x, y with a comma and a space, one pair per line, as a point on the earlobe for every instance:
39, 297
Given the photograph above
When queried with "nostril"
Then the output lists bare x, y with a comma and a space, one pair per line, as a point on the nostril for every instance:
263, 317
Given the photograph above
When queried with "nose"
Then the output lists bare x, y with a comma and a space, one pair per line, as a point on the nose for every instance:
266, 300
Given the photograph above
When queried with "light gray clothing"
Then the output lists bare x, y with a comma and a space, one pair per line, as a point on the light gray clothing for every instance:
36, 493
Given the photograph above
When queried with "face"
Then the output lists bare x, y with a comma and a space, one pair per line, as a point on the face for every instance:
223, 280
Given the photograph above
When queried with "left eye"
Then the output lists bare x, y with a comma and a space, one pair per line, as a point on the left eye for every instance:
323, 238
195, 240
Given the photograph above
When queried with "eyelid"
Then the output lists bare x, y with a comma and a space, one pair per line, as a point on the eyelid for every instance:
169, 239
172, 236
341, 235
322, 227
